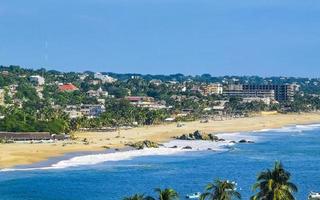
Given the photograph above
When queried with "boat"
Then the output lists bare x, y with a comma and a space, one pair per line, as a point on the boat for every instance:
194, 195
314, 196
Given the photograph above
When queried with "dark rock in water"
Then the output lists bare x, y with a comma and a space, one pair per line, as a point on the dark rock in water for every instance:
251, 142
187, 147
233, 142
221, 140
143, 144
174, 147
209, 149
184, 137
245, 141
117, 149
213, 137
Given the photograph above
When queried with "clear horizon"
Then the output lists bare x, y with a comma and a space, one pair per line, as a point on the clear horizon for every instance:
265, 38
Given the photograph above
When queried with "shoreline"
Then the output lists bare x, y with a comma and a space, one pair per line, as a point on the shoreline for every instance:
12, 155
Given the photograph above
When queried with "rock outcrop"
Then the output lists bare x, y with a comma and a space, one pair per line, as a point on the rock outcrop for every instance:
143, 144
197, 135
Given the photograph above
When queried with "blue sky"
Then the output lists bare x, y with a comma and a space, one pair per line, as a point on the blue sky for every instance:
220, 37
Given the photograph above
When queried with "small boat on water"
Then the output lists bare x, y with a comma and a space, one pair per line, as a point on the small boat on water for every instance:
194, 195
314, 196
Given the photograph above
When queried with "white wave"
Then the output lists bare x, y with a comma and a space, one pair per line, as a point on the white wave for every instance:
167, 149
293, 128
196, 145
238, 136
102, 157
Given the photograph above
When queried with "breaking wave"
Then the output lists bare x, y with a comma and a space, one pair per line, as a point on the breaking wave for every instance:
169, 148
293, 128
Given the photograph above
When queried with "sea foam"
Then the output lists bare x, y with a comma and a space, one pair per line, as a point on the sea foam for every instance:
292, 128
169, 148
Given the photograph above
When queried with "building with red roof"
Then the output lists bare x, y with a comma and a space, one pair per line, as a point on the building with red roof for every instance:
68, 87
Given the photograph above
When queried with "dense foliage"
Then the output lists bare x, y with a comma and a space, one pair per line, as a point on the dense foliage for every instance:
30, 112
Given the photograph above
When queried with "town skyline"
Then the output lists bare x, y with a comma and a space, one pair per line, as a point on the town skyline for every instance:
161, 74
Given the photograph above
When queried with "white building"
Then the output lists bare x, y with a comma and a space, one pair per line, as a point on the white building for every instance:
92, 110
104, 78
214, 88
39, 80
97, 93
156, 82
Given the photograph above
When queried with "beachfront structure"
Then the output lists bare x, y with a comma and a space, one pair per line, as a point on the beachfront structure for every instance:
31, 136
104, 78
250, 93
38, 80
280, 93
283, 92
2, 97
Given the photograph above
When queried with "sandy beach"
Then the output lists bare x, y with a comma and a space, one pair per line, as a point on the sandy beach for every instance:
22, 153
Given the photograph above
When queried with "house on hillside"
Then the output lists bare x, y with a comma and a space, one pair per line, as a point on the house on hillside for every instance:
68, 87
38, 80
104, 78
92, 110
145, 102
97, 93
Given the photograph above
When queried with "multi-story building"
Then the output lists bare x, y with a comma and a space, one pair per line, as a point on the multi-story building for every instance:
284, 92
250, 93
214, 88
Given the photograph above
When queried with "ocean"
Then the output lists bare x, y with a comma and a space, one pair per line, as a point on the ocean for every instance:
104, 176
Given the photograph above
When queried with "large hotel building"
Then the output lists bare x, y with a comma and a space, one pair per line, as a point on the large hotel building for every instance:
280, 93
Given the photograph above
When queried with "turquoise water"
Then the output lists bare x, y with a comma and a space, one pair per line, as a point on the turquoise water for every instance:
297, 147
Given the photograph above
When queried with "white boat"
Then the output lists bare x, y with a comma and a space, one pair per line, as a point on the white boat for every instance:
314, 196
194, 195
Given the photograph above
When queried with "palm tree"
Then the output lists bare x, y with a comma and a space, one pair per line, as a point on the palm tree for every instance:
274, 184
138, 197
221, 190
167, 194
